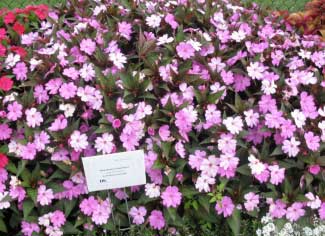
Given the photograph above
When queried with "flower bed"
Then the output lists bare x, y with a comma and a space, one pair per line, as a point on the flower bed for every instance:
227, 103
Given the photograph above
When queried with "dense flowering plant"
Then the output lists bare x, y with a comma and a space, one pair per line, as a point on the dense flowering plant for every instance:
227, 103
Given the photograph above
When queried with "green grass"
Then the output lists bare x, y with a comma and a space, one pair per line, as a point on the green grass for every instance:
22, 3
290, 5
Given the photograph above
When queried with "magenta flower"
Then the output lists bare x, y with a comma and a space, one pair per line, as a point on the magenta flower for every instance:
171, 197
277, 209
58, 218
164, 132
20, 71
29, 228
68, 90
225, 206
185, 50
312, 141
125, 29
321, 211
5, 132
156, 220
88, 206
14, 111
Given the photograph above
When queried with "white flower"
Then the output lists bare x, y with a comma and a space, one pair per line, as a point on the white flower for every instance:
195, 44
268, 87
203, 183
14, 181
15, 147
78, 141
105, 143
299, 118
251, 118
4, 204
34, 63
152, 190
304, 54
68, 109
234, 125
11, 60
87, 72
255, 70
164, 39
314, 201
321, 111
257, 167
153, 21
45, 219
10, 98
238, 36
209, 166
99, 9
118, 59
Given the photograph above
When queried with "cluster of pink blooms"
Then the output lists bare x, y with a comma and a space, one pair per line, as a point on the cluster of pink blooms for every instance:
238, 104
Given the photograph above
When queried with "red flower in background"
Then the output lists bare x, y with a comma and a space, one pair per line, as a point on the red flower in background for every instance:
2, 50
6, 83
9, 18
19, 28
41, 11
3, 160
19, 50
3, 33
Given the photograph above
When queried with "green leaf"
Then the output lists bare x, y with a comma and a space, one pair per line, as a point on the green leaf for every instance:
234, 222
3, 227
68, 228
68, 206
28, 206
204, 202
158, 165
212, 98
277, 151
32, 193
188, 191
166, 146
244, 170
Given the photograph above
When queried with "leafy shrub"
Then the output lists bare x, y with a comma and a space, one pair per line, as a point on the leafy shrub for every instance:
227, 102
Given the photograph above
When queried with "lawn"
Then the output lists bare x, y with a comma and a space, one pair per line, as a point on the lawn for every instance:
291, 5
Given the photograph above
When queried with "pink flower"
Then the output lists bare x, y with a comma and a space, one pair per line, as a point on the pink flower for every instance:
29, 228
295, 211
171, 197
88, 46
5, 132
33, 117
40, 94
17, 192
44, 196
164, 133
125, 29
41, 140
312, 141
180, 149
321, 211
196, 159
20, 71
252, 201
314, 169
138, 214
156, 220
58, 218
88, 206
101, 213
68, 90
185, 50
28, 152
105, 144
241, 82
290, 147
59, 123
170, 19
227, 143
234, 125
78, 141
71, 72
277, 174
209, 166
225, 206
277, 209
308, 105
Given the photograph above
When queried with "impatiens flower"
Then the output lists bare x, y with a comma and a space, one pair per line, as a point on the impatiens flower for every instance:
314, 169
78, 141
290, 147
314, 201
156, 220
321, 211
152, 190
5, 132
4, 204
44, 196
59, 123
88, 46
209, 166
170, 19
20, 71
153, 21
6, 83
225, 206
102, 212
196, 159
277, 174
252, 201
138, 214
29, 228
257, 167
251, 118
256, 70
58, 218
295, 211
68, 90
299, 118
185, 50
312, 141
34, 118
125, 29
234, 125
118, 59
164, 132
88, 206
203, 183
105, 144
171, 197
277, 209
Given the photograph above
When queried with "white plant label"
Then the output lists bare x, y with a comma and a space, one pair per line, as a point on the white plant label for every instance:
117, 170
